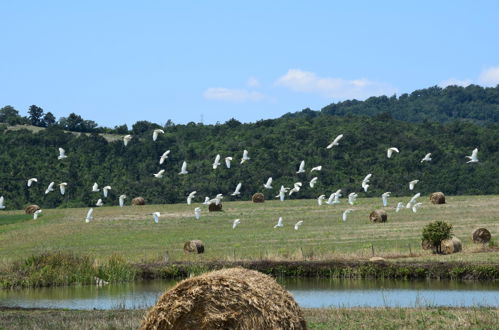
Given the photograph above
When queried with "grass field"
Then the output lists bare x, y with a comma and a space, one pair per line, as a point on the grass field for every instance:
131, 232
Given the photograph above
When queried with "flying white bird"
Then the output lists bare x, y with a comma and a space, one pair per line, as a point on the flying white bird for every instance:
268, 185
296, 188
122, 200
245, 156
164, 156
302, 167
412, 184
366, 181
384, 197
62, 187
321, 199
400, 206
50, 188
30, 181
105, 190
334, 198
298, 224
190, 197
413, 200
2, 205
390, 151
126, 139
218, 198
159, 175
474, 156
216, 163
282, 193
95, 187
426, 158
156, 216
346, 213
156, 132
183, 170
335, 142
236, 192
206, 200
89, 216
99, 202
62, 154
235, 223
197, 213
416, 206
35, 215
317, 168
352, 197
313, 182
279, 223
227, 161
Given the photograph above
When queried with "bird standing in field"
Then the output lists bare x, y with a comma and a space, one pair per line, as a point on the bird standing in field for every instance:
105, 190
190, 197
384, 198
313, 182
50, 188
197, 213
126, 139
227, 161
298, 224
279, 223
474, 156
412, 184
426, 158
268, 184
89, 216
95, 187
156, 216
345, 214
62, 187
122, 200
62, 154
235, 223
236, 192
390, 151
36, 214
156, 132
159, 175
317, 168
302, 167
2, 203
163, 157
352, 197
335, 142
30, 181
216, 163
183, 170
321, 199
245, 156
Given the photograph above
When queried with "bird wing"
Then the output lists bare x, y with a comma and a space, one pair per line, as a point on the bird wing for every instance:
61, 152
89, 213
269, 181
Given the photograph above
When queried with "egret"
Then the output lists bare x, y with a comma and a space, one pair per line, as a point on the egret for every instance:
279, 223
236, 192
235, 223
121, 200
218, 198
282, 193
227, 161
197, 213
302, 167
50, 188
298, 224
62, 154
2, 205
346, 213
416, 206
390, 151
335, 142
268, 185
156, 132
400, 206
474, 156
190, 197
412, 184
245, 156
296, 188
334, 198
321, 199
216, 163
156, 216
99, 202
35, 215
89, 216
352, 197
426, 158
366, 181
206, 200
384, 197
95, 187
183, 170
105, 190
159, 175
62, 187
126, 139
413, 200
163, 157
313, 182
317, 168
30, 181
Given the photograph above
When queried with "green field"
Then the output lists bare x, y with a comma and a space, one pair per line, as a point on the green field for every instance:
131, 232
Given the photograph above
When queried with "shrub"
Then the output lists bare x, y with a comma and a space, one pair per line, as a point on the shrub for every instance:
435, 232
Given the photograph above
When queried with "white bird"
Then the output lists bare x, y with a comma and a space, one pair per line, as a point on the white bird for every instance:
426, 158
302, 167
236, 192
296, 188
352, 197
50, 188
206, 200
416, 206
298, 224
30, 181
35, 215
321, 199
218, 198
156, 132
164, 156
105, 190
413, 200
346, 213
126, 139
216, 163
122, 200
99, 202
412, 184
89, 216
268, 185
197, 213
390, 151
313, 182
245, 156
366, 181
474, 156
279, 223
2, 205
95, 187
235, 223
159, 175
62, 154
334, 198
183, 170
384, 197
62, 187
156, 216
282, 193
227, 161
400, 206
317, 168
190, 197
335, 142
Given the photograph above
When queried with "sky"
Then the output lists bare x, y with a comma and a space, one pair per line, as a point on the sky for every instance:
118, 62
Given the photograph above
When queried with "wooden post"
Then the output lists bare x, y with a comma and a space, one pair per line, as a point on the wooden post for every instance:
372, 248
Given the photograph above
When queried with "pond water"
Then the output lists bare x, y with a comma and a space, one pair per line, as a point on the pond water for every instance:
309, 293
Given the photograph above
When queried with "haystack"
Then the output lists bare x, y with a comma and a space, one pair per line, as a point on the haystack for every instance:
426, 245
258, 198
451, 245
30, 209
214, 207
437, 198
194, 246
481, 235
234, 298
138, 201
378, 216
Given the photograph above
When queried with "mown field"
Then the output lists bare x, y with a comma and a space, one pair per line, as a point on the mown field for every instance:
131, 232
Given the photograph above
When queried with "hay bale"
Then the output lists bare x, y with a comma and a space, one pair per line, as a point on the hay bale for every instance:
213, 207
378, 216
234, 298
481, 235
138, 201
426, 245
451, 245
376, 259
194, 246
30, 209
437, 198
258, 198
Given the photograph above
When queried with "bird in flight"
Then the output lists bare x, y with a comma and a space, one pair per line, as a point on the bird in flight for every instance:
122, 200
2, 203
321, 199
105, 190
183, 170
400, 206
426, 158
412, 184
95, 187
99, 202
163, 157
190, 197
345, 214
156, 132
216, 163
365, 182
62, 187
50, 188
36, 214
245, 156
126, 139
236, 192
227, 161
335, 142
279, 223
317, 168
159, 175
474, 156
298, 224
156, 216
313, 182
197, 213
30, 181
235, 223
390, 151
62, 154
384, 197
302, 167
352, 197
89, 216
268, 185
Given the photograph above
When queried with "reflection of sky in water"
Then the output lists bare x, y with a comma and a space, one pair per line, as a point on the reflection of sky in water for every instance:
312, 293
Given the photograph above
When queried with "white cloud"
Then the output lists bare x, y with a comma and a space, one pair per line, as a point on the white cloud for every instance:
489, 76
232, 95
455, 82
308, 82
253, 82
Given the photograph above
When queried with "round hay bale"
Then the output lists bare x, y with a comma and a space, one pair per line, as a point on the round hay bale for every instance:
194, 246
437, 198
451, 245
481, 235
30, 209
213, 207
234, 298
258, 198
426, 245
378, 216
138, 201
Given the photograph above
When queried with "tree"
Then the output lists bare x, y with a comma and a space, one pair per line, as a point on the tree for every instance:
10, 116
35, 115
121, 129
435, 232
48, 120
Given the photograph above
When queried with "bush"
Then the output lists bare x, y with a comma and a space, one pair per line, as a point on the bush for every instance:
435, 232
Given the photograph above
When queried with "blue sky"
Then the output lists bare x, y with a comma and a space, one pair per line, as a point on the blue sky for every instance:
119, 62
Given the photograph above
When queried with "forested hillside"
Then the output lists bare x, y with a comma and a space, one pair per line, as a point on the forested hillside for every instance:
275, 147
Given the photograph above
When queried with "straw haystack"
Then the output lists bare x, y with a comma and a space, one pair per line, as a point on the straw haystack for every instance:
258, 198
451, 245
138, 201
378, 216
481, 235
194, 246
214, 207
234, 298
437, 198
30, 209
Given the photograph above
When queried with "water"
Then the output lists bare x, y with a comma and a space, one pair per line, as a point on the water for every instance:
310, 293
